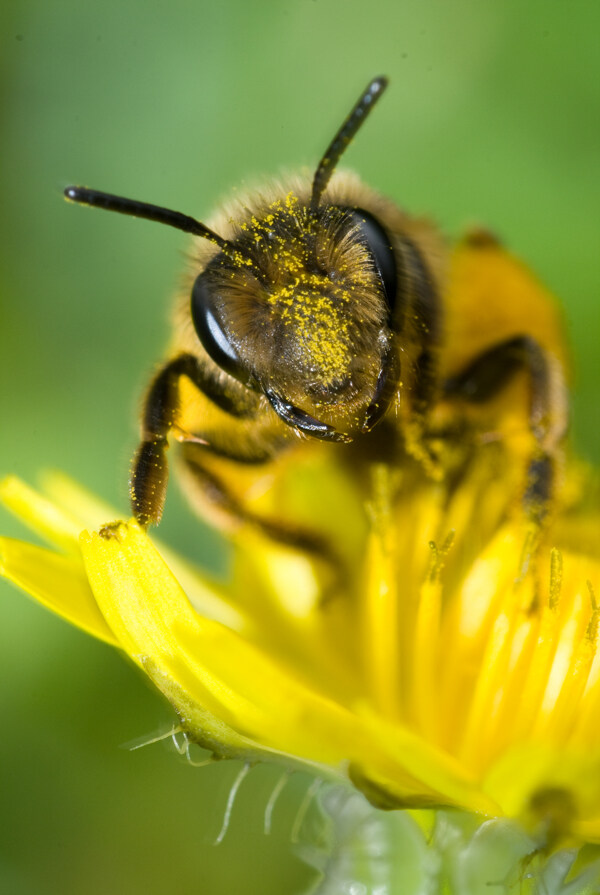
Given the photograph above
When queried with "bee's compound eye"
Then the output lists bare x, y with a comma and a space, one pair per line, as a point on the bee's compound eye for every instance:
207, 322
378, 243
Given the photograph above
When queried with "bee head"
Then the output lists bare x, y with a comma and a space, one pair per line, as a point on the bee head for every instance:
301, 310
298, 303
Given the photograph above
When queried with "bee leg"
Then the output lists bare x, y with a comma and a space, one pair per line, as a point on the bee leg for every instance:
548, 407
417, 442
148, 483
422, 310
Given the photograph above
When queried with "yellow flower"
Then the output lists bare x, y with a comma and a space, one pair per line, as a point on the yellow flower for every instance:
460, 668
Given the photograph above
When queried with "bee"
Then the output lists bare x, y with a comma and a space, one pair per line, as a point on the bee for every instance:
318, 318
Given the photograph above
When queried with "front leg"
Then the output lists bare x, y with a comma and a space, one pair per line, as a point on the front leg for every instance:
148, 483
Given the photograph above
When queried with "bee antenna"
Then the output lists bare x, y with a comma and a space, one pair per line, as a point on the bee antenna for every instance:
96, 199
342, 139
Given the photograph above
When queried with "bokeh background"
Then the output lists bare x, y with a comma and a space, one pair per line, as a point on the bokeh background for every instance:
492, 117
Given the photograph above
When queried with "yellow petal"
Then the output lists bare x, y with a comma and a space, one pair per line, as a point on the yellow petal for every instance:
58, 582
154, 621
230, 679
92, 513
40, 514
278, 588
81, 504
438, 774
206, 729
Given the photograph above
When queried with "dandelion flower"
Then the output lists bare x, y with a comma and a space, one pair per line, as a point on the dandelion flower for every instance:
462, 669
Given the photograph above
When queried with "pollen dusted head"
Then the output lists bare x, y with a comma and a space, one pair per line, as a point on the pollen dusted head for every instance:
300, 311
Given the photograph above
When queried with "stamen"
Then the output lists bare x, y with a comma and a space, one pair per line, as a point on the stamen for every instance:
592, 596
527, 554
535, 677
426, 645
592, 629
568, 672
556, 574
381, 622
505, 659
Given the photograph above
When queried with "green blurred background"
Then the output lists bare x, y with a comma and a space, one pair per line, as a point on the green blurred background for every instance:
492, 117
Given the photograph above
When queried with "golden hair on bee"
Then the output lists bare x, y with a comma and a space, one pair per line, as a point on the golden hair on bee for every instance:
317, 317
